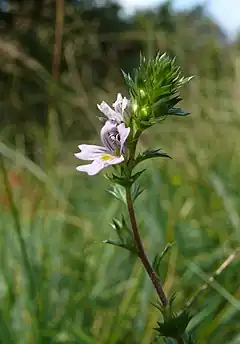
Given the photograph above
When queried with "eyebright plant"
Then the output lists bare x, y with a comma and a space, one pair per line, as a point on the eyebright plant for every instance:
153, 95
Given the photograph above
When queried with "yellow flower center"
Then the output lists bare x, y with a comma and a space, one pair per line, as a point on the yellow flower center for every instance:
106, 157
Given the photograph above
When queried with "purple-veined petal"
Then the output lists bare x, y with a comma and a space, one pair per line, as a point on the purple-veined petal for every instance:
98, 164
109, 112
108, 135
90, 152
123, 132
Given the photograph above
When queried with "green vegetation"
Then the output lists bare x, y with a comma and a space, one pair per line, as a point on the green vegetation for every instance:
58, 282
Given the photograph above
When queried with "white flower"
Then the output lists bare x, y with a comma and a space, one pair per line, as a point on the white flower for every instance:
100, 156
120, 106
113, 137
114, 134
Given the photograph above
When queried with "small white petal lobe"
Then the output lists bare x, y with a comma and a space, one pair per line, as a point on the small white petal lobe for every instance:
90, 152
97, 165
123, 132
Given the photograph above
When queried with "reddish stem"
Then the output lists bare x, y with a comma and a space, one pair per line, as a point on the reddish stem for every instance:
141, 252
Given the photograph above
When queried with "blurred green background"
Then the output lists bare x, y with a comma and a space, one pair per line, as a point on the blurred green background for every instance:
58, 282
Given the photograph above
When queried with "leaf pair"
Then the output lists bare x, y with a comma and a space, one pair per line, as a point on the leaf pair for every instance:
119, 192
124, 235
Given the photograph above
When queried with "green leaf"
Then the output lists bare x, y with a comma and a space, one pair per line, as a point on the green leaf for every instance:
125, 181
178, 112
124, 234
119, 180
158, 258
149, 154
174, 326
129, 81
118, 191
136, 191
119, 244
135, 176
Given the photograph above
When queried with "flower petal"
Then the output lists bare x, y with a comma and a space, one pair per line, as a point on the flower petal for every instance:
125, 105
108, 132
93, 168
109, 112
117, 105
90, 152
114, 160
123, 132
97, 165
121, 105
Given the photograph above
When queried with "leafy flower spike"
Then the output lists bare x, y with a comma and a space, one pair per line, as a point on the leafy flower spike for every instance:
154, 91
113, 136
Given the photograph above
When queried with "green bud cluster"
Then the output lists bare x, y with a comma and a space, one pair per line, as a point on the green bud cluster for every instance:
154, 90
174, 325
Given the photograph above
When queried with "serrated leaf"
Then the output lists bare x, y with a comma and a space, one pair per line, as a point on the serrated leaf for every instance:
119, 180
178, 112
129, 81
120, 229
124, 234
149, 154
158, 258
166, 102
135, 176
118, 191
126, 182
136, 191
119, 244
174, 326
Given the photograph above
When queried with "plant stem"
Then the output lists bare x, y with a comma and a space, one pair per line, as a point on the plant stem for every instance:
141, 252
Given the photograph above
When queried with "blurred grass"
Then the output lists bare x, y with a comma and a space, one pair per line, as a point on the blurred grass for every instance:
86, 292
58, 282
